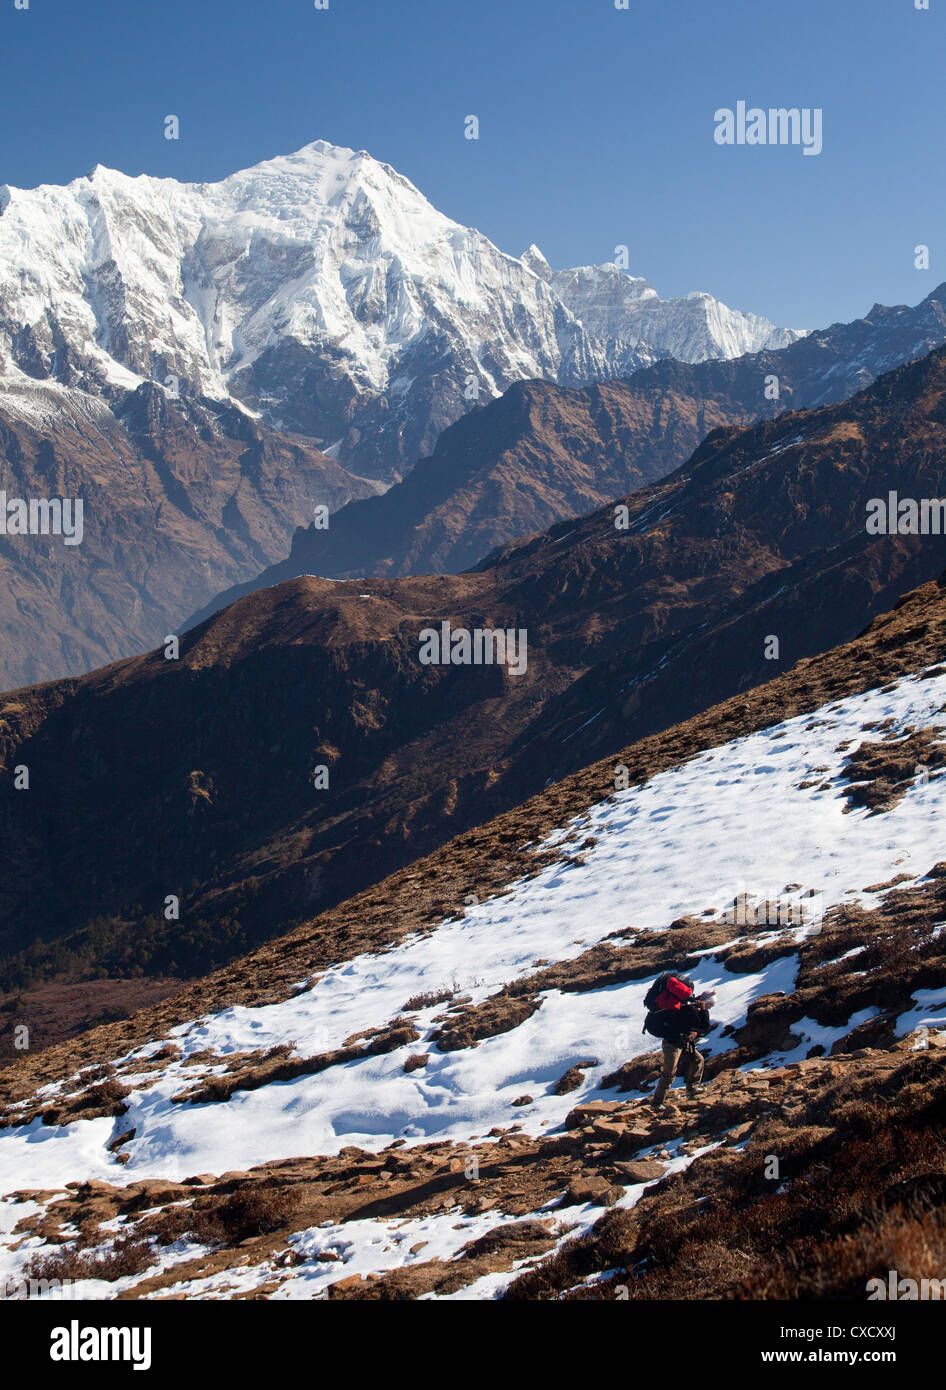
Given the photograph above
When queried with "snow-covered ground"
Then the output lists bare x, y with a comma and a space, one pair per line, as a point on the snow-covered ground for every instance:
731, 820
336, 1250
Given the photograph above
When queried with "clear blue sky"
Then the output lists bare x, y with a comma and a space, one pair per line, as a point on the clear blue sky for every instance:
596, 124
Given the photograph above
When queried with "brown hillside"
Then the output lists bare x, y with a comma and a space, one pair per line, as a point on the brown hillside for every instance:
629, 631
178, 498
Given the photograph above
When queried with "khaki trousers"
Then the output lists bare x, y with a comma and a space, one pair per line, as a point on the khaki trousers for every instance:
690, 1064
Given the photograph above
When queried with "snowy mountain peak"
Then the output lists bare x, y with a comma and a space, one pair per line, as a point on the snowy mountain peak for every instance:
316, 173
536, 262
322, 291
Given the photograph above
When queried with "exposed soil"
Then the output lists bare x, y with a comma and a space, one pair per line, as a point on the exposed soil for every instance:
882, 773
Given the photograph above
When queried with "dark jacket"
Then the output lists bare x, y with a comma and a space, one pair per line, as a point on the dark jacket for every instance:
686, 1024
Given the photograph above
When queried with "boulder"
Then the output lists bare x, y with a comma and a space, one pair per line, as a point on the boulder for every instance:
643, 1170
597, 1192
590, 1111
632, 1141
349, 1285
609, 1130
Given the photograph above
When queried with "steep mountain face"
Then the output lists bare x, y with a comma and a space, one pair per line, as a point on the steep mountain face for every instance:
174, 495
441, 1088
543, 453
300, 748
323, 292
538, 454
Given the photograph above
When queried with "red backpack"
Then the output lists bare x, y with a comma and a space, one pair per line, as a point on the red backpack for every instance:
663, 1002
668, 992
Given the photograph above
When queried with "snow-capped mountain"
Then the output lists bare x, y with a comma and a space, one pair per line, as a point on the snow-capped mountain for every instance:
629, 326
323, 292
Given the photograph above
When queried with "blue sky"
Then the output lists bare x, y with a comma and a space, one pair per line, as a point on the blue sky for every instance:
596, 124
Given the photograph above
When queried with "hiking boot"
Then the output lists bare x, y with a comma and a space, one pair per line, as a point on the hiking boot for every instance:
667, 1110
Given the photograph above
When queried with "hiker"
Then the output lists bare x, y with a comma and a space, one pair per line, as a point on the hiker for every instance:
678, 1018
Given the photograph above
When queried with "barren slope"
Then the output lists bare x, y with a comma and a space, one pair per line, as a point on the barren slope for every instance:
177, 495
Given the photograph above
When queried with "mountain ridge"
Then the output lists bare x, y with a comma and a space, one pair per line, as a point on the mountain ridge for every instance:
543, 452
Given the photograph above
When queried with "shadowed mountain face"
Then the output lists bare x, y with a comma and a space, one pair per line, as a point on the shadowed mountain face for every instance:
174, 494
213, 802
542, 452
